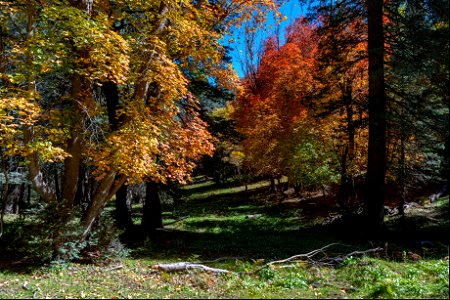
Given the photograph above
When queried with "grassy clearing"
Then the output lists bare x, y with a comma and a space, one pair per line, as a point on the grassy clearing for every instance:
242, 224
207, 189
359, 278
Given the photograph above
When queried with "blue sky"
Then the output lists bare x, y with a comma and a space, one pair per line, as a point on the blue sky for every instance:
291, 9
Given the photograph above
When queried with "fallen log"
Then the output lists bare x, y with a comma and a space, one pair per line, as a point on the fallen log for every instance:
181, 266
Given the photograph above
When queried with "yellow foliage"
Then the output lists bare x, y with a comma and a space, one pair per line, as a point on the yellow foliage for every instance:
160, 135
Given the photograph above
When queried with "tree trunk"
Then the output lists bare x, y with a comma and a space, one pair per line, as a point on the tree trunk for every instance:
18, 199
36, 176
272, 185
345, 190
106, 189
297, 188
123, 206
21, 204
56, 181
111, 93
152, 215
71, 172
79, 196
123, 209
376, 164
4, 167
445, 169
402, 163
29, 195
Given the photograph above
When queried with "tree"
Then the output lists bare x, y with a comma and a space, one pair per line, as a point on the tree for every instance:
270, 108
343, 64
417, 81
222, 165
124, 109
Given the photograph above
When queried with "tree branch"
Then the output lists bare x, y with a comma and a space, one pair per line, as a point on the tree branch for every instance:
183, 266
307, 256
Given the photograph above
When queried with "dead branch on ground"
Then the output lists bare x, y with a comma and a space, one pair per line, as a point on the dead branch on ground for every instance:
326, 261
114, 268
181, 266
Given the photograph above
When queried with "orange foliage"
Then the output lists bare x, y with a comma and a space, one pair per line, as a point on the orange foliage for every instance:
269, 109
311, 87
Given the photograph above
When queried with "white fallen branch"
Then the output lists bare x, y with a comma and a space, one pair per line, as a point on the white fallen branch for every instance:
114, 268
308, 256
188, 265
363, 252
342, 258
184, 266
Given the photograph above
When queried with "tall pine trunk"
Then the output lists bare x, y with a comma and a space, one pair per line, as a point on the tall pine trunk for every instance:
376, 164
345, 189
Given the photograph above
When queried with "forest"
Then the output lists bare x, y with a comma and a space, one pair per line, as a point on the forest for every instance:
136, 163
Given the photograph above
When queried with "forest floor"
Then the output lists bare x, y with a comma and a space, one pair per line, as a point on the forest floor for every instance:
249, 229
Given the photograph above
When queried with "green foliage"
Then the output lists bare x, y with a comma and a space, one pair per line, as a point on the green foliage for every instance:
227, 160
49, 235
61, 47
55, 234
379, 278
349, 261
311, 165
14, 178
313, 161
105, 239
267, 274
418, 76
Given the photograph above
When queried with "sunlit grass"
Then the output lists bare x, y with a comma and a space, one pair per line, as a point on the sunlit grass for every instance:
226, 191
130, 278
208, 189
198, 185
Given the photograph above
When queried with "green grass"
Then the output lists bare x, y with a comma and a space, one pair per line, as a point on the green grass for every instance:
359, 278
219, 226
207, 189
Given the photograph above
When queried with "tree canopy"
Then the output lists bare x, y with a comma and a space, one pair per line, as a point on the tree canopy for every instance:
96, 96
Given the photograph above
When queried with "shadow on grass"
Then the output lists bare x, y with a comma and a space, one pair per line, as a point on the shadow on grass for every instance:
17, 252
244, 202
279, 235
252, 244
241, 225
